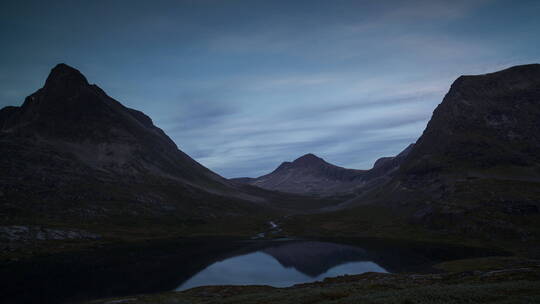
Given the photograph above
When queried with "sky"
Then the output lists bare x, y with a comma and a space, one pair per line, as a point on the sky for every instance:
242, 86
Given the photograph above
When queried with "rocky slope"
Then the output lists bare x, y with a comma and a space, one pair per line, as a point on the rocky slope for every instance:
484, 121
71, 153
312, 175
475, 170
478, 161
70, 114
485, 131
308, 174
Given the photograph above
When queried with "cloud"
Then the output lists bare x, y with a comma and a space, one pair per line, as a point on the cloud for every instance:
250, 141
244, 85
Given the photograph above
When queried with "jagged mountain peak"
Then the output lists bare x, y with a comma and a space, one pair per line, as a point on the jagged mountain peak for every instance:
66, 99
68, 107
80, 119
63, 76
308, 174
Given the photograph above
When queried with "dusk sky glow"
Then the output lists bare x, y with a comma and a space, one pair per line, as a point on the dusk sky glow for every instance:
242, 86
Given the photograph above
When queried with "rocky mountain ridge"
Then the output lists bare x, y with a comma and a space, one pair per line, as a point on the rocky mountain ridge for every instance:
478, 160
73, 115
312, 175
474, 172
308, 174
71, 152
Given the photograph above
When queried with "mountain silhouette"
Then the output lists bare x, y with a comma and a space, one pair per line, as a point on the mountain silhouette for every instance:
72, 152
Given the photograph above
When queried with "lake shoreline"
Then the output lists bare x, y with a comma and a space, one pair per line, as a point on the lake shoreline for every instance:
116, 269
514, 283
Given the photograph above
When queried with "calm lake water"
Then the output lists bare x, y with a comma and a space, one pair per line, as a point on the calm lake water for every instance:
283, 265
180, 264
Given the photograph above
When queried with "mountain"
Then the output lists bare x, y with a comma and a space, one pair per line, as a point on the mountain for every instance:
72, 115
307, 174
312, 175
71, 153
485, 121
485, 129
479, 156
474, 171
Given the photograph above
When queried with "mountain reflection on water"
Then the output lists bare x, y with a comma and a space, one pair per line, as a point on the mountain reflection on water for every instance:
286, 264
178, 264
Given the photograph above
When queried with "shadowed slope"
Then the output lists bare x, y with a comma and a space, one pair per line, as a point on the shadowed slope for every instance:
475, 171
71, 152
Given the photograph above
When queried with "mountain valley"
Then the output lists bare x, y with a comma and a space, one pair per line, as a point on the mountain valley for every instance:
81, 172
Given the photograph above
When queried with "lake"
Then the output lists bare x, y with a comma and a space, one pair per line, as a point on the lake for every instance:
180, 264
286, 264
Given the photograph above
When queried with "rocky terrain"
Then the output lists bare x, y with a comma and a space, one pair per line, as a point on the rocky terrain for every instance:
22, 234
312, 175
473, 174
74, 155
75, 158
307, 174
68, 115
484, 121
71, 152
477, 164
79, 167
485, 131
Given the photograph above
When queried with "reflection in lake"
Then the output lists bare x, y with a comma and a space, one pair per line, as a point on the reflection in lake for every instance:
164, 265
286, 264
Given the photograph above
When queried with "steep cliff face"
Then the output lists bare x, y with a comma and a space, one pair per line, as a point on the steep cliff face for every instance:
474, 174
481, 145
484, 121
476, 167
486, 129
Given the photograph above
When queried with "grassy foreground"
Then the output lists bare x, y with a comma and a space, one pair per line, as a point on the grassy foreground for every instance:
519, 284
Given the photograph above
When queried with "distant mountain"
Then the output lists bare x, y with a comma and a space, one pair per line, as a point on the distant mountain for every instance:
71, 152
312, 175
308, 174
485, 134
